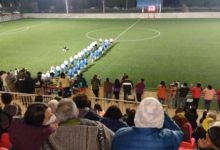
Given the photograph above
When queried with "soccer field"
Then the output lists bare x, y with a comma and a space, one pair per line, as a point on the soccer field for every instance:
156, 49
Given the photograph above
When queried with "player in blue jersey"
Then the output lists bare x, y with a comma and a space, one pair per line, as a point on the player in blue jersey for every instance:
71, 60
85, 52
57, 70
81, 64
74, 71
92, 56
106, 43
70, 72
99, 52
66, 63
76, 58
78, 67
85, 62
96, 54
63, 67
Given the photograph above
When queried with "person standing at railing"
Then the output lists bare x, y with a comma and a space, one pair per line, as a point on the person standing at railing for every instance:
127, 85
182, 96
95, 85
208, 97
173, 95
196, 94
64, 82
117, 88
218, 99
38, 84
10, 80
82, 83
30, 83
108, 89
162, 92
140, 89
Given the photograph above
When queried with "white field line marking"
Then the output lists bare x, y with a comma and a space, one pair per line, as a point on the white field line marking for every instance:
126, 30
20, 29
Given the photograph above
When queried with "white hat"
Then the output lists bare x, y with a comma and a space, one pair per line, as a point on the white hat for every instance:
149, 114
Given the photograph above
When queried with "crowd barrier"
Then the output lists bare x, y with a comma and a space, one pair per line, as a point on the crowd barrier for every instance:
125, 15
24, 100
10, 18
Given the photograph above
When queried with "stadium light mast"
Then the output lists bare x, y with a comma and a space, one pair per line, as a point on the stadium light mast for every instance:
157, 6
67, 10
103, 6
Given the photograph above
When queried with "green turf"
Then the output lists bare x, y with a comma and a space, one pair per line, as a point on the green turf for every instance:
187, 49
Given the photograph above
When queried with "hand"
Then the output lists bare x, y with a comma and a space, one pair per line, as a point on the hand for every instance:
202, 143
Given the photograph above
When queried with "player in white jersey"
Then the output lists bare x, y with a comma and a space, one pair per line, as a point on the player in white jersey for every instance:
57, 70
66, 63
111, 41
71, 60
100, 41
62, 67
76, 58
52, 69
48, 74
82, 54
79, 55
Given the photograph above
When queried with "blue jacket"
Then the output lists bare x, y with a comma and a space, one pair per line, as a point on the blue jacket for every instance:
134, 138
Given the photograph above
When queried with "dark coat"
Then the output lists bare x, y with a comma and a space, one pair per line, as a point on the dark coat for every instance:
113, 124
192, 119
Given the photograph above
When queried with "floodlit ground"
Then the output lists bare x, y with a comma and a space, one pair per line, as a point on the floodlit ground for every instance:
156, 49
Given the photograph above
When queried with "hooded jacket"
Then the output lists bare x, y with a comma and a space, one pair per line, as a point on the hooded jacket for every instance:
154, 130
88, 114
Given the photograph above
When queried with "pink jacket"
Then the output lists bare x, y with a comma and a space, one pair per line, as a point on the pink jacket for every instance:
208, 94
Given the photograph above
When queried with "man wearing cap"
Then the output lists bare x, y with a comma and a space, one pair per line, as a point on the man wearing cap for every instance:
153, 130
212, 141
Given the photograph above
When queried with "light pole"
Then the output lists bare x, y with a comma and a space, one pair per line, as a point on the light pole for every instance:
103, 6
126, 4
157, 7
67, 10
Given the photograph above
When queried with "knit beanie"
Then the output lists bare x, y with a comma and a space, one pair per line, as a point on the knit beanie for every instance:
214, 134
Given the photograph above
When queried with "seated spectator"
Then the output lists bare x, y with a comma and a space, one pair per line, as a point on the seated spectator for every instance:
182, 122
39, 98
177, 111
125, 116
154, 130
53, 105
113, 119
10, 110
200, 132
31, 132
212, 141
99, 110
192, 116
204, 115
76, 133
82, 101
130, 119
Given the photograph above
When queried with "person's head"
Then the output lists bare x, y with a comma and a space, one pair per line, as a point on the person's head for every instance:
38, 98
126, 76
181, 121
62, 75
107, 79
131, 115
81, 75
39, 74
213, 136
175, 84
178, 110
204, 114
113, 112
185, 84
81, 100
211, 115
127, 110
98, 107
193, 110
66, 110
198, 85
39, 114
28, 73
162, 83
8, 73
95, 76
89, 104
149, 114
142, 79
53, 105
6, 98
209, 86
58, 98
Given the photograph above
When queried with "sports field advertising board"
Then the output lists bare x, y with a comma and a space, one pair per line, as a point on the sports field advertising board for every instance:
151, 9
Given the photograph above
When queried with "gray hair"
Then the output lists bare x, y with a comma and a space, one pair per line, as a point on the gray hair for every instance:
66, 110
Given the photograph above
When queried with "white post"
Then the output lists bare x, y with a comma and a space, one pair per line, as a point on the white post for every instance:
157, 7
67, 10
103, 5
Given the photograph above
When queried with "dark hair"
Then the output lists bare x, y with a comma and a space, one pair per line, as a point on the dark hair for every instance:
98, 107
81, 100
38, 98
127, 110
204, 114
107, 79
89, 103
58, 98
28, 73
6, 98
131, 115
35, 114
193, 110
209, 87
117, 83
176, 84
185, 84
113, 112
142, 79
126, 76
62, 75
198, 84
80, 74
163, 84
181, 121
178, 110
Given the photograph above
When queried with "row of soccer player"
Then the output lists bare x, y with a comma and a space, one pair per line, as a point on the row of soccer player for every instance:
81, 60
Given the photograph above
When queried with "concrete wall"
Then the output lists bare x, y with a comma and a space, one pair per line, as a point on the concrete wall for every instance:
126, 15
10, 18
